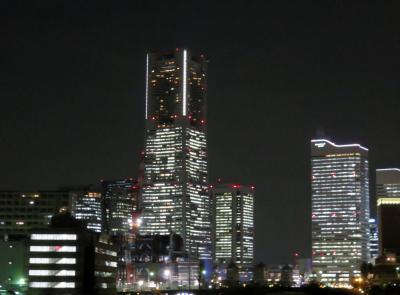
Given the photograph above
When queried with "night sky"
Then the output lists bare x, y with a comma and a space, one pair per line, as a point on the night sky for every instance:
280, 72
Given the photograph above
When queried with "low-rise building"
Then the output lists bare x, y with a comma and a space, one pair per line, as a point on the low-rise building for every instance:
66, 258
20, 211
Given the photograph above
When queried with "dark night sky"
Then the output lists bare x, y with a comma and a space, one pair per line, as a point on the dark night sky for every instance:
72, 93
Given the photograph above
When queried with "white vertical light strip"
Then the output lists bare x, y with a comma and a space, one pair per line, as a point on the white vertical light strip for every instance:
184, 82
147, 84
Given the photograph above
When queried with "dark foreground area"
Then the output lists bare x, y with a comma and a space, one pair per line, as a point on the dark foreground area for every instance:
282, 291
388, 290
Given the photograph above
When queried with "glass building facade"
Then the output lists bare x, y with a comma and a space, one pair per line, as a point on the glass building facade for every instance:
233, 224
119, 202
340, 210
86, 205
388, 201
175, 194
373, 239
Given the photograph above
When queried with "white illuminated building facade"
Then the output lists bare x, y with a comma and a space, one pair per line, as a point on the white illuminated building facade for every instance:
175, 194
340, 210
233, 224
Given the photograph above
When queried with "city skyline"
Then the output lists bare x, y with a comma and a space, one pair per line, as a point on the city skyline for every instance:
269, 93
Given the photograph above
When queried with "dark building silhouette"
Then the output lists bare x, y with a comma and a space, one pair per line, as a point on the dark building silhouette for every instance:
286, 276
388, 201
259, 274
120, 201
232, 275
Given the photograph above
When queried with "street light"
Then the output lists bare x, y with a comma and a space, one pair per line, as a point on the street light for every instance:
150, 274
167, 274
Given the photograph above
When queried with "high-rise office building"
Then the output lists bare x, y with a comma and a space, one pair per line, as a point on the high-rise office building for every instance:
86, 205
120, 201
233, 224
340, 210
388, 201
373, 239
175, 194
22, 210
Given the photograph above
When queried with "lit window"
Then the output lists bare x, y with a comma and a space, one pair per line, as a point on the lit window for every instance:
52, 248
111, 263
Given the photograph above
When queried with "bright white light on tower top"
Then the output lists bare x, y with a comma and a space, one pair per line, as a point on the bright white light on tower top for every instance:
184, 82
147, 84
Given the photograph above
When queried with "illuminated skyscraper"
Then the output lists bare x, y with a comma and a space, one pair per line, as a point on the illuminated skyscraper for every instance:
175, 193
233, 224
340, 210
388, 200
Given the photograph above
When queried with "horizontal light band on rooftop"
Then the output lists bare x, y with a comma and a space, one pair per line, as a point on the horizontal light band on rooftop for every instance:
388, 201
337, 145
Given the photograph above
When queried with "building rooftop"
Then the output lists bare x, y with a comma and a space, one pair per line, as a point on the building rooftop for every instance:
322, 147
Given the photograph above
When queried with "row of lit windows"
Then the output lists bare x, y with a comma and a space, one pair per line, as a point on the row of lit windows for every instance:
52, 248
57, 273
54, 237
57, 285
63, 260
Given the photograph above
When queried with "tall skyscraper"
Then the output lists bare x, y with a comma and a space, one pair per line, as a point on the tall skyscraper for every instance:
388, 201
233, 224
175, 194
340, 210
86, 205
120, 201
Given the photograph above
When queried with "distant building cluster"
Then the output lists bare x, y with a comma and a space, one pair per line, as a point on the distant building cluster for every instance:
171, 228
